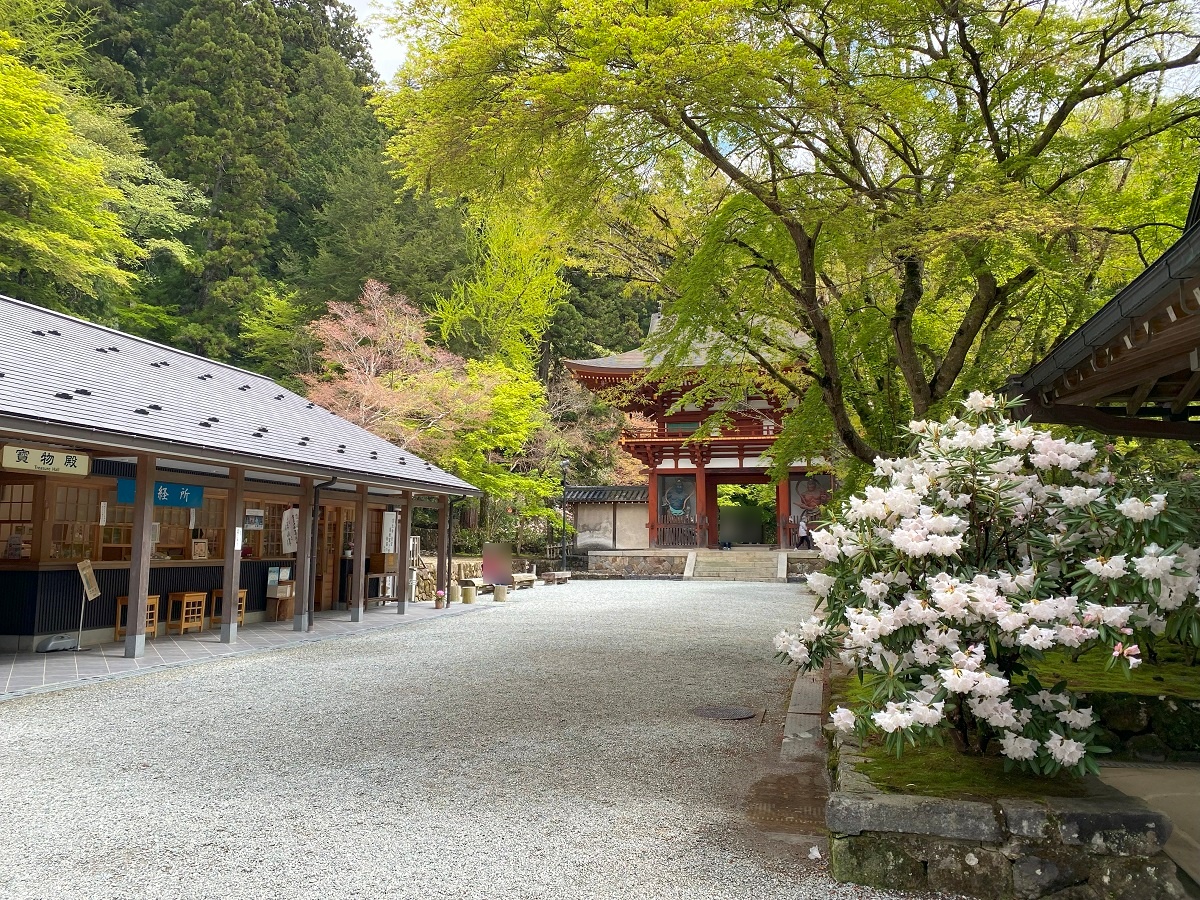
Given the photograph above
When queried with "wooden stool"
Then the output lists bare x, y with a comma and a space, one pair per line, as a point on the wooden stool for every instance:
241, 606
151, 616
191, 611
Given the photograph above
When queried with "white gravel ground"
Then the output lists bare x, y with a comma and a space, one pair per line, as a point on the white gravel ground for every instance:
543, 748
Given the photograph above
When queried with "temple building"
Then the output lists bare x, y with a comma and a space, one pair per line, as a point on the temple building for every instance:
684, 470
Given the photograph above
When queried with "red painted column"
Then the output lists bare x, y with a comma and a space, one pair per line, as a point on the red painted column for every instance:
701, 505
652, 509
714, 516
783, 510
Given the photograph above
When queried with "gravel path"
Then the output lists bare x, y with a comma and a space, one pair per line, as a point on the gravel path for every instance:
543, 748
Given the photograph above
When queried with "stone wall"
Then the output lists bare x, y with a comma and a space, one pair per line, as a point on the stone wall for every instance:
638, 564
1105, 846
1149, 729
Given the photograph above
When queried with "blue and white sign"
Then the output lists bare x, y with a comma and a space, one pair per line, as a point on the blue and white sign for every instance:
190, 496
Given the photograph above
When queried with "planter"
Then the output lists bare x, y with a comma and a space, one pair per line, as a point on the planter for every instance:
439, 603
1103, 846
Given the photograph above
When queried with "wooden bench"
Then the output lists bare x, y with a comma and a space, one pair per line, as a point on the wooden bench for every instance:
523, 581
556, 577
481, 586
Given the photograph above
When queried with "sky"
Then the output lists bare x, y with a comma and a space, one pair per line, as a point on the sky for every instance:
387, 52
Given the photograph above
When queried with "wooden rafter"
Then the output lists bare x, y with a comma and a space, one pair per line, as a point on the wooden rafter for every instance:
1139, 397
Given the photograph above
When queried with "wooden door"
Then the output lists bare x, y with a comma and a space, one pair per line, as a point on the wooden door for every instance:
329, 530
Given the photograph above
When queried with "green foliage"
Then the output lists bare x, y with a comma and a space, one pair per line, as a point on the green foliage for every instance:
502, 312
217, 122
892, 204
275, 337
60, 230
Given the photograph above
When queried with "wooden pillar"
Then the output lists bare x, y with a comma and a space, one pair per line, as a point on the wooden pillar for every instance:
701, 507
139, 561
358, 590
714, 514
443, 547
403, 534
305, 564
234, 519
783, 512
652, 509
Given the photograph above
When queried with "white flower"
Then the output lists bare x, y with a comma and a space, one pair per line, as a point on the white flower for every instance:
1142, 511
1106, 567
820, 583
1065, 751
977, 401
959, 681
1153, 564
1075, 497
843, 719
1017, 747
1037, 638
893, 718
1077, 718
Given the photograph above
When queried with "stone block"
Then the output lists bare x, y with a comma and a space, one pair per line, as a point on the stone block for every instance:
1110, 830
1124, 713
1026, 819
973, 871
1136, 879
1042, 876
1177, 723
1078, 892
875, 861
908, 814
1147, 748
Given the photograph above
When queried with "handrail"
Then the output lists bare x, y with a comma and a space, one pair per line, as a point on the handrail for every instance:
764, 429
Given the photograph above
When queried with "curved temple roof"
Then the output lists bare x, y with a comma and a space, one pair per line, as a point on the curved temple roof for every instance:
62, 378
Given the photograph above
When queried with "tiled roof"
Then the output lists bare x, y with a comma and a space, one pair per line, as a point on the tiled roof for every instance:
87, 381
608, 493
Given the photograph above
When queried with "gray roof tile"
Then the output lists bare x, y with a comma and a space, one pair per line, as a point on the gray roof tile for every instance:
67, 372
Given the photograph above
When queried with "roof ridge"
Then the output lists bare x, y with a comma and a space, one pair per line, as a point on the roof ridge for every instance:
134, 337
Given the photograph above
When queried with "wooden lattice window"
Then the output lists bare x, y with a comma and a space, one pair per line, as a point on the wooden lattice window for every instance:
16, 521
76, 512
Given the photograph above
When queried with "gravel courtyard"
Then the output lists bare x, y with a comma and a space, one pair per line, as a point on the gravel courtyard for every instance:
543, 748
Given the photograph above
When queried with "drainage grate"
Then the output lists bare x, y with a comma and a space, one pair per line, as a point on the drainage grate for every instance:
725, 713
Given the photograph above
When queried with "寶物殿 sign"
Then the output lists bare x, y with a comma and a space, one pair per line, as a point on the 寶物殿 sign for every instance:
57, 462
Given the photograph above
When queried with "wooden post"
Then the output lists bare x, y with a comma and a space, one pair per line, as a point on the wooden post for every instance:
358, 592
403, 535
234, 519
139, 561
305, 564
652, 509
783, 512
443, 544
701, 507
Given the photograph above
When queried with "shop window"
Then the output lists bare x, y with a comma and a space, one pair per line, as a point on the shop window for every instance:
76, 511
210, 525
268, 543
16, 521
174, 533
116, 535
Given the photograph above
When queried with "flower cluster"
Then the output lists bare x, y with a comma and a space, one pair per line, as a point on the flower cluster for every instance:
961, 565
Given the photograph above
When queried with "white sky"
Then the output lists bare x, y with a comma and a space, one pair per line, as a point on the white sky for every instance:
387, 52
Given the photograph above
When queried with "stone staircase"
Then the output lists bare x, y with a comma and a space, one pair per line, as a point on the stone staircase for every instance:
735, 565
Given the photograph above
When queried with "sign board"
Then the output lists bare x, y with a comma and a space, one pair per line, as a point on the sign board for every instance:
103, 513
290, 529
90, 587
255, 520
14, 547
190, 496
57, 462
387, 537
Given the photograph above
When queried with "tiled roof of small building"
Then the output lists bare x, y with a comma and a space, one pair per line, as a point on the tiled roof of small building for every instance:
90, 382
608, 493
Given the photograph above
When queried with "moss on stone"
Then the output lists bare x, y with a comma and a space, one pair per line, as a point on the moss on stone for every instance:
1171, 676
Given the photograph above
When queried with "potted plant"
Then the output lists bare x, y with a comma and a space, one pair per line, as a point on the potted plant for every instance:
439, 600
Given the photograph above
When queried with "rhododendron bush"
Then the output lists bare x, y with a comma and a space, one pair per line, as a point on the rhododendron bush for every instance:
961, 565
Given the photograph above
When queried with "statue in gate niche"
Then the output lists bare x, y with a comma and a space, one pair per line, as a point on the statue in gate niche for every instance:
679, 500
